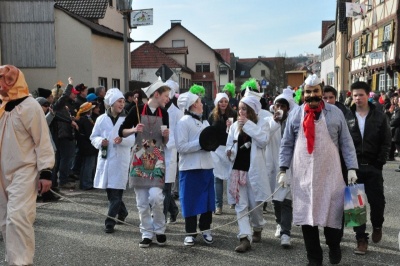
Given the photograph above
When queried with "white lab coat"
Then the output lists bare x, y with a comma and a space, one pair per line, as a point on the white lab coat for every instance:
258, 177
171, 155
113, 171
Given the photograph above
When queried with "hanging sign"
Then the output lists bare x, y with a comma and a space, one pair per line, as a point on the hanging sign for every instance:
142, 17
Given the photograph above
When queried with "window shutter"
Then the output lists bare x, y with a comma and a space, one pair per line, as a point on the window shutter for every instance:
391, 31
359, 45
373, 85
363, 44
370, 42
380, 36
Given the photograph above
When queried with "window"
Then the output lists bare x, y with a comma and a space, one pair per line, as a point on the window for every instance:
387, 32
242, 72
368, 42
110, 3
357, 47
178, 43
116, 83
369, 5
103, 82
329, 79
382, 82
202, 67
223, 70
389, 81
263, 73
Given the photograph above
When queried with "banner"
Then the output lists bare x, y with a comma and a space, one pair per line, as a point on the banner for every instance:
355, 10
142, 17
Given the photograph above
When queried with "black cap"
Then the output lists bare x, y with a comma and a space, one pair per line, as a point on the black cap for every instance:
45, 93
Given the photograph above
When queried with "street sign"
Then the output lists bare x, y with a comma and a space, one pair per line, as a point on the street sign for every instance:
142, 17
164, 72
376, 55
264, 84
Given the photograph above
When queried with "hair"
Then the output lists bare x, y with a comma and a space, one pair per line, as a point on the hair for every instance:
216, 112
128, 94
98, 90
330, 89
360, 85
251, 115
160, 90
283, 101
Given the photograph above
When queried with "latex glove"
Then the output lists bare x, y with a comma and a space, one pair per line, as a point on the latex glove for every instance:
282, 179
351, 176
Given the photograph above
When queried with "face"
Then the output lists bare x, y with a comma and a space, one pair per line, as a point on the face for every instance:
283, 107
162, 99
102, 93
84, 93
73, 96
96, 110
329, 97
360, 97
313, 95
223, 104
197, 107
242, 109
45, 108
50, 99
4, 88
118, 106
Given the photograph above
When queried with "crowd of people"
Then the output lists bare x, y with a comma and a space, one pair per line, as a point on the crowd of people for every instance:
297, 157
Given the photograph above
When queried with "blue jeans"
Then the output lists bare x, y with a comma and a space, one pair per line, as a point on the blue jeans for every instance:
219, 192
284, 215
66, 150
116, 205
88, 164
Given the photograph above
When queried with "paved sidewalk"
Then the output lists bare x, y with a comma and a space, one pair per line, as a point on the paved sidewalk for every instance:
67, 234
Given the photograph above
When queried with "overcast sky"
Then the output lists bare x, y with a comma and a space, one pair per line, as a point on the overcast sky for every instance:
249, 28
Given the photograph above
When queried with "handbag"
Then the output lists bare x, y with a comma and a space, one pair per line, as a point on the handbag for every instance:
355, 209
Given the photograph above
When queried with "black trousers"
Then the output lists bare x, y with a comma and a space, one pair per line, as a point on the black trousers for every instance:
204, 223
372, 179
116, 205
312, 242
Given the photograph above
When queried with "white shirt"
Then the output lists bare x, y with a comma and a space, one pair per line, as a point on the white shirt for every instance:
361, 123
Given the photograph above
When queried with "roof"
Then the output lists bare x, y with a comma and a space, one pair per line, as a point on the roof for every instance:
325, 26
203, 76
149, 55
174, 25
90, 9
174, 50
95, 27
225, 53
329, 36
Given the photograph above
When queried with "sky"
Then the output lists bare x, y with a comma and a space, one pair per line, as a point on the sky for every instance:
249, 28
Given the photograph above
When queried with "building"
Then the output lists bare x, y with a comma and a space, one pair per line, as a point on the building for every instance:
327, 73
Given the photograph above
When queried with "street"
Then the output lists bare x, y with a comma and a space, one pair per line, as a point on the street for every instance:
70, 234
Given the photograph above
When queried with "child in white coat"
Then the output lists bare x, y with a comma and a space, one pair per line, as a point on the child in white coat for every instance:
249, 185
112, 171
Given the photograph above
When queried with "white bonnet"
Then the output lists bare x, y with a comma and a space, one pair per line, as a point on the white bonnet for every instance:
287, 94
112, 96
253, 102
186, 100
174, 86
312, 80
220, 96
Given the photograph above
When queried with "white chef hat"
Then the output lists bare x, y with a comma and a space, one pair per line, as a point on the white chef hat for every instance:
186, 100
153, 87
253, 102
112, 96
312, 80
174, 86
253, 93
220, 96
287, 94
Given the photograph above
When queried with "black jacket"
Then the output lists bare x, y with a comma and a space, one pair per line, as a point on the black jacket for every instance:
374, 147
83, 137
395, 126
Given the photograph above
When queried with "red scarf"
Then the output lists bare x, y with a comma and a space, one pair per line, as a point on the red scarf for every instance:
309, 125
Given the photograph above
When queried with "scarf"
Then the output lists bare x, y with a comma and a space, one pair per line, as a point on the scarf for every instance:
309, 125
12, 77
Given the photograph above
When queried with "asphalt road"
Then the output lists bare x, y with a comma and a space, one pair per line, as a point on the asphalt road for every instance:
70, 234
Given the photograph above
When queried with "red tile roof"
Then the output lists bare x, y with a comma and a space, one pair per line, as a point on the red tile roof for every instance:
150, 56
225, 53
174, 50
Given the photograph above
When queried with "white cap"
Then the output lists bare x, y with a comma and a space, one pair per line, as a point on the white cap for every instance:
174, 86
186, 100
112, 96
253, 102
253, 93
220, 96
287, 94
312, 80
153, 87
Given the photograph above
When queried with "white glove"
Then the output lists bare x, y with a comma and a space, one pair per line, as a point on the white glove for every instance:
282, 179
351, 176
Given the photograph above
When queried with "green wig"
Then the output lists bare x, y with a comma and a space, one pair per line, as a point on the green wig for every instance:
251, 84
297, 97
198, 90
230, 87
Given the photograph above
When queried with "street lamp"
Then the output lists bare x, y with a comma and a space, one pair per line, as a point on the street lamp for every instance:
385, 47
125, 7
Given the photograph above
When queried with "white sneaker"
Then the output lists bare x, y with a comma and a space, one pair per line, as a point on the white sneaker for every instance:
285, 241
278, 231
207, 237
189, 241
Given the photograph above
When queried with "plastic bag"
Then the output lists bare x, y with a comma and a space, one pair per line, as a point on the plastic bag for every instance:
355, 209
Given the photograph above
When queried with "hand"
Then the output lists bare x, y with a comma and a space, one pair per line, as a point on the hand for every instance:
139, 128
104, 142
228, 123
282, 179
242, 120
70, 80
351, 176
165, 133
278, 115
117, 140
44, 185
74, 125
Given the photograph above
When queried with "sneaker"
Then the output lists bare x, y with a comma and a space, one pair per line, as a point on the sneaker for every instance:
232, 206
362, 246
335, 255
68, 185
109, 229
161, 240
145, 243
278, 231
189, 241
207, 237
218, 211
172, 218
285, 241
376, 234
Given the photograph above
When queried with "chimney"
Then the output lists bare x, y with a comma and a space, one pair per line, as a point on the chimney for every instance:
175, 22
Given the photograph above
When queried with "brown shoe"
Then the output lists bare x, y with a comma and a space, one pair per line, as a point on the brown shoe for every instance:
256, 236
362, 246
376, 234
244, 245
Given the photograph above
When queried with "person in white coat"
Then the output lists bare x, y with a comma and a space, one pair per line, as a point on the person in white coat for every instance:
249, 184
171, 155
112, 171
